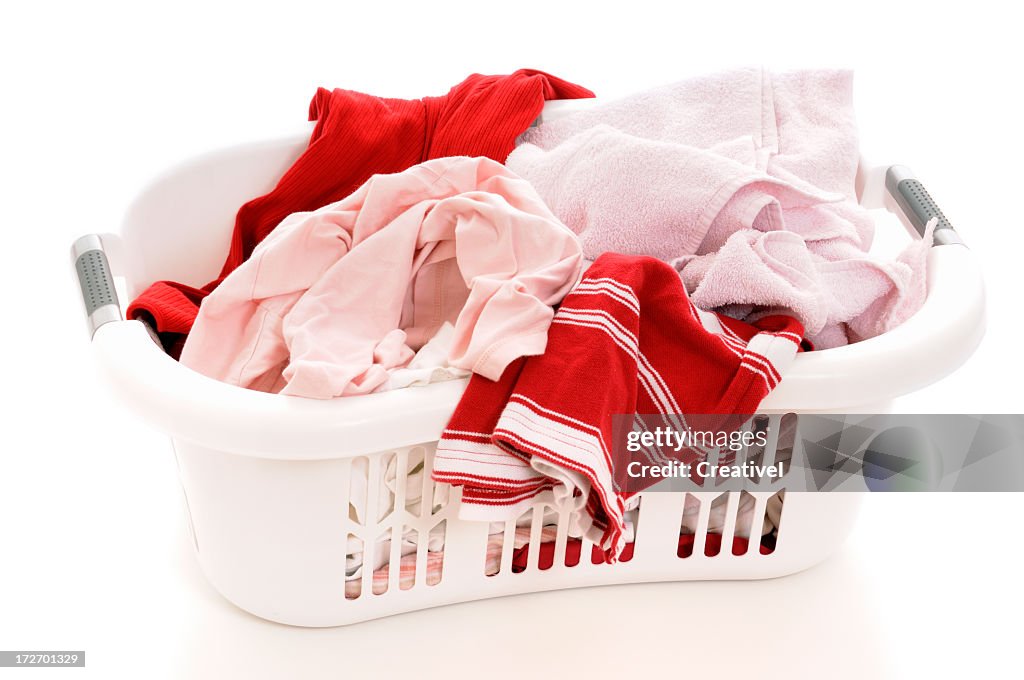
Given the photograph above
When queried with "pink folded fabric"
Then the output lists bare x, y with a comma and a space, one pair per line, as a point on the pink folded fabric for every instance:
333, 300
756, 274
736, 158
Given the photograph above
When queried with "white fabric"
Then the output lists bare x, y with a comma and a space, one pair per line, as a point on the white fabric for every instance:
430, 365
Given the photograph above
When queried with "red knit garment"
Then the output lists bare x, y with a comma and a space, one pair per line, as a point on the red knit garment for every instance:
359, 135
626, 340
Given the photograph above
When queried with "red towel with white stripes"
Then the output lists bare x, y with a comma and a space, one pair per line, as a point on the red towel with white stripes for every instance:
626, 340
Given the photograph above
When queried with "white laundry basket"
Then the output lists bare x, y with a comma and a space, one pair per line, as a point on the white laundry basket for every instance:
267, 477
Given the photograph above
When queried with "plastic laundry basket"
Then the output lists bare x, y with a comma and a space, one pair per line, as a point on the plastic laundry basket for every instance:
267, 477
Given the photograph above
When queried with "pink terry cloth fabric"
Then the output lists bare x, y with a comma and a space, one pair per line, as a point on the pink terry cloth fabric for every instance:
681, 170
845, 300
334, 299
637, 196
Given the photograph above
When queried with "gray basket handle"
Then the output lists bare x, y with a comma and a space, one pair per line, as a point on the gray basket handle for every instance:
95, 282
918, 206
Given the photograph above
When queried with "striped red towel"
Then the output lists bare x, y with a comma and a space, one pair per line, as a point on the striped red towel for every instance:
626, 340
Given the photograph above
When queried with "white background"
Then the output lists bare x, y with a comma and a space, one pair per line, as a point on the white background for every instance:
97, 97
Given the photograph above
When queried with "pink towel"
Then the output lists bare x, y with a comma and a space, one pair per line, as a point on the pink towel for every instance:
637, 196
739, 159
846, 300
333, 300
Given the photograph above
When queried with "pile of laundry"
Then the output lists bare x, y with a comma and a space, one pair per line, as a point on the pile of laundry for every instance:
668, 252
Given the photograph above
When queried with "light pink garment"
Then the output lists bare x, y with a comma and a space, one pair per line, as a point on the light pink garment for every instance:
637, 196
845, 300
680, 170
334, 299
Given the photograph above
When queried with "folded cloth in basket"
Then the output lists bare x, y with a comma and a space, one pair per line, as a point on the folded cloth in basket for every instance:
334, 300
626, 340
358, 135
676, 171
